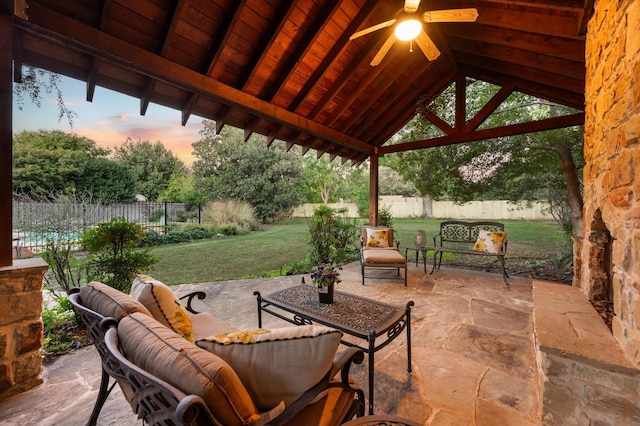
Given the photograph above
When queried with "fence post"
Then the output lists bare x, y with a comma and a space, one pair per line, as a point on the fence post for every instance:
166, 217
199, 214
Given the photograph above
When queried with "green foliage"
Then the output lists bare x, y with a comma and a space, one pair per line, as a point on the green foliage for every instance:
538, 166
227, 167
55, 162
384, 217
332, 237
115, 260
181, 190
152, 166
229, 214
62, 330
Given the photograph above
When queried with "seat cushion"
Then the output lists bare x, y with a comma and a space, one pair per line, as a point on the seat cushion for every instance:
109, 302
163, 304
383, 256
204, 325
161, 352
280, 364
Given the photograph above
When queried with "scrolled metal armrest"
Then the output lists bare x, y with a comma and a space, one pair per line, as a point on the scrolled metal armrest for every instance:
190, 296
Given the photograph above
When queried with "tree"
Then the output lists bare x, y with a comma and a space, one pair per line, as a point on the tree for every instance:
181, 189
539, 166
152, 165
227, 167
55, 162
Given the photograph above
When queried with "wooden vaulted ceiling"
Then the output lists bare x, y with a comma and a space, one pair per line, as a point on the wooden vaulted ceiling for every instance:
287, 70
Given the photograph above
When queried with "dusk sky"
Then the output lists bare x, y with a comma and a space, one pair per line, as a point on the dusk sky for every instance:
110, 119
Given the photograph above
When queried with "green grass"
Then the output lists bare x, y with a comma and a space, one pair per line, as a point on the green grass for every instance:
235, 257
250, 256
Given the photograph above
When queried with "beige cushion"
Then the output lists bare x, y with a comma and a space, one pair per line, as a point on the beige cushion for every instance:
204, 325
383, 256
163, 305
377, 238
489, 242
280, 364
163, 353
109, 302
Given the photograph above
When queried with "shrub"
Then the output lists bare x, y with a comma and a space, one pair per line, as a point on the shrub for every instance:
230, 213
384, 217
114, 259
332, 237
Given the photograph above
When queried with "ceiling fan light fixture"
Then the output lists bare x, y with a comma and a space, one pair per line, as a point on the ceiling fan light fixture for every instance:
408, 30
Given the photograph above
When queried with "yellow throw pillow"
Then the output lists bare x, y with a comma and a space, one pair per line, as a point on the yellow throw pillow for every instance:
278, 364
377, 238
489, 242
163, 305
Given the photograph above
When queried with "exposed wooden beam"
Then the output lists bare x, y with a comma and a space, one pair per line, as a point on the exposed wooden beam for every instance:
544, 63
488, 108
461, 102
92, 41
340, 45
529, 20
559, 47
496, 132
438, 122
6, 134
302, 48
584, 16
566, 5
92, 77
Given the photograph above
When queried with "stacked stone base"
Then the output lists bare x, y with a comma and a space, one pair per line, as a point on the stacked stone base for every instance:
20, 326
585, 377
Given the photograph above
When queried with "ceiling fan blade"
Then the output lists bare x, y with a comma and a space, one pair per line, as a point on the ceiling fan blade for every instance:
372, 29
427, 46
451, 15
411, 6
383, 50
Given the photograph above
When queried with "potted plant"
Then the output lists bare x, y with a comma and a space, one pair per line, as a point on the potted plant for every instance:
325, 277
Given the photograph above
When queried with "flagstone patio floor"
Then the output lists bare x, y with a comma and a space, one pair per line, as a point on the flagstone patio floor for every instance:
472, 342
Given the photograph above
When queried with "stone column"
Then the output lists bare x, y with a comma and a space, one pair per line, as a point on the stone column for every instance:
20, 325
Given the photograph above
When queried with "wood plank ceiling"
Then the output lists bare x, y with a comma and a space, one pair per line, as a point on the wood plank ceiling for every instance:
287, 69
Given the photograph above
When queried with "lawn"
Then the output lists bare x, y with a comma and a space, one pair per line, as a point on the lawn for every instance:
535, 248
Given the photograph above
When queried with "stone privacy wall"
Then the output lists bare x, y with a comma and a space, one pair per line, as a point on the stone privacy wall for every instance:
610, 257
20, 326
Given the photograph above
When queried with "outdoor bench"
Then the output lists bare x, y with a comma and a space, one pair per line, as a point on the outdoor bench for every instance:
472, 238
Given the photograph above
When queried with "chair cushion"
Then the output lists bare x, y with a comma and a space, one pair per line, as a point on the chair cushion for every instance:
377, 238
109, 302
163, 305
489, 242
280, 364
204, 325
161, 352
383, 256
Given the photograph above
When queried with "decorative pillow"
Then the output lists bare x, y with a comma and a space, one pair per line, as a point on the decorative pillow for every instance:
377, 238
280, 364
489, 242
163, 305
161, 352
109, 302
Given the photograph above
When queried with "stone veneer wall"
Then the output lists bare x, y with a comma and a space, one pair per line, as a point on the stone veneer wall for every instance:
20, 325
612, 171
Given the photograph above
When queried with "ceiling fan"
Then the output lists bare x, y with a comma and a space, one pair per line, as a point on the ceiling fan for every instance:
409, 27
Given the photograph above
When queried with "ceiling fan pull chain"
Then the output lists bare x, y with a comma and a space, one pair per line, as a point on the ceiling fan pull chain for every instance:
411, 45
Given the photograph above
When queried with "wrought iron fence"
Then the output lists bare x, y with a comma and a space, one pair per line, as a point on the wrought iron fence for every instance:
37, 223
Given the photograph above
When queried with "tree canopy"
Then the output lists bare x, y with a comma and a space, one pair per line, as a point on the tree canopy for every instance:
536, 166
54, 162
152, 165
227, 167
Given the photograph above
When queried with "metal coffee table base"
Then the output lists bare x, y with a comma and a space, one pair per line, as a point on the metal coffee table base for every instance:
376, 322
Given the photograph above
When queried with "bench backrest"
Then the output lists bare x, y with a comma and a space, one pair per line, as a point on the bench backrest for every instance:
455, 231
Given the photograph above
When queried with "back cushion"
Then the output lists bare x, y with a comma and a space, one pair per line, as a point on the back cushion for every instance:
161, 352
109, 302
163, 305
279, 364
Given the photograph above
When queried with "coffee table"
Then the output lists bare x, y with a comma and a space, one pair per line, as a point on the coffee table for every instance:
375, 322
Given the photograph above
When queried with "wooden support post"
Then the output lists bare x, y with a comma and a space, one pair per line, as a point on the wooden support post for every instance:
373, 190
6, 137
